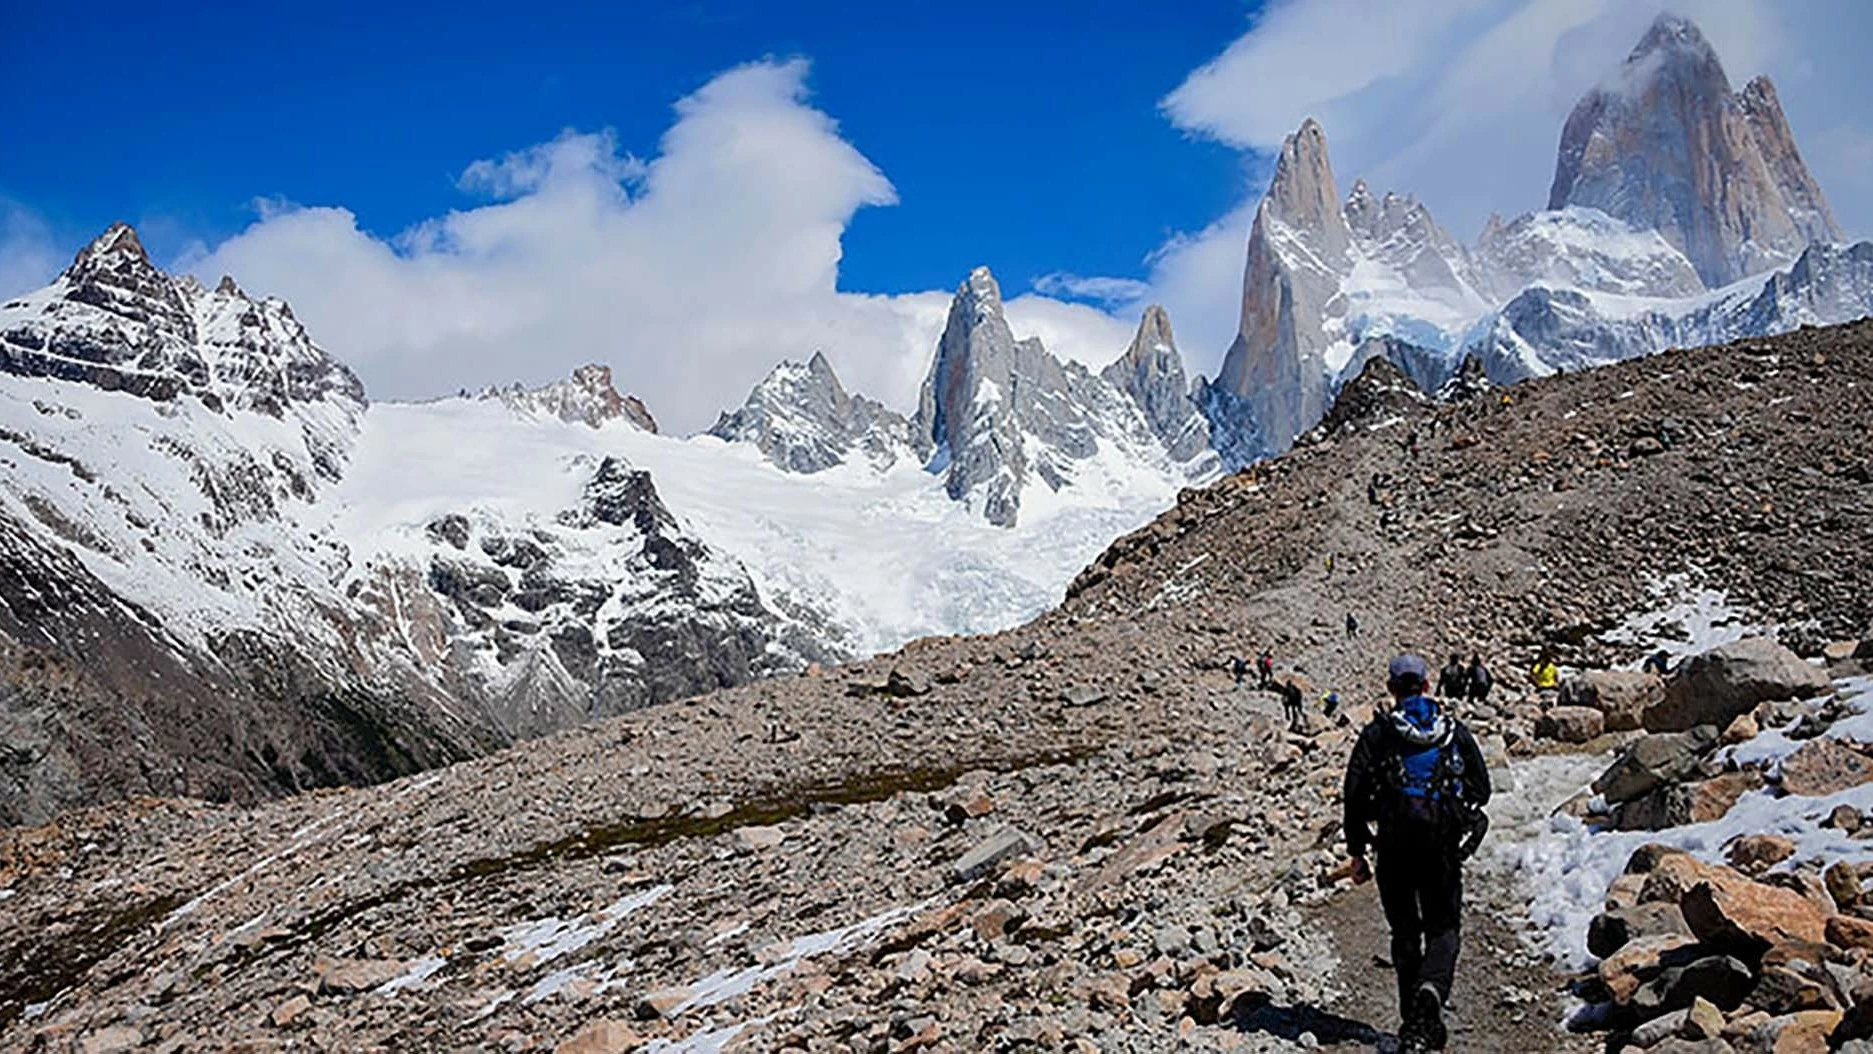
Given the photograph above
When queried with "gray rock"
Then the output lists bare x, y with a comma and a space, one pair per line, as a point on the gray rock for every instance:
1005, 844
1715, 687
1721, 979
1654, 761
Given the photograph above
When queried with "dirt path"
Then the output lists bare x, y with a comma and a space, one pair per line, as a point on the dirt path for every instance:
1505, 998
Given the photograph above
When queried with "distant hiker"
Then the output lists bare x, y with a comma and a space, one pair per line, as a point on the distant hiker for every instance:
1352, 626
1265, 667
1545, 675
1480, 680
1453, 684
1659, 662
1329, 563
1239, 667
1417, 773
1330, 703
1291, 704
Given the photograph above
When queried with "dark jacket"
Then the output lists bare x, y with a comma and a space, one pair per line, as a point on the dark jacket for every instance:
1454, 682
1370, 796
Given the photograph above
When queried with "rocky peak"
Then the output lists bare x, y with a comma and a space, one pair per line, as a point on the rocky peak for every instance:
996, 411
587, 397
114, 320
803, 419
620, 494
1151, 373
1665, 145
1381, 391
114, 274
1303, 194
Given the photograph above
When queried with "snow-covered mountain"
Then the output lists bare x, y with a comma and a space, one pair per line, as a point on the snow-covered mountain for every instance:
220, 554
1681, 213
1007, 423
803, 419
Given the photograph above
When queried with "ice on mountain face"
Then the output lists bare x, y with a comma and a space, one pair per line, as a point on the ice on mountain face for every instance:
1667, 146
1581, 248
804, 420
1543, 329
1009, 426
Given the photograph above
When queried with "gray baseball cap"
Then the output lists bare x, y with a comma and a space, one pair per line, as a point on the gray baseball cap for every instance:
1408, 666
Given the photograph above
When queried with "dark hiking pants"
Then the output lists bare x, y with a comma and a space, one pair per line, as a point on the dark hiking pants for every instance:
1421, 889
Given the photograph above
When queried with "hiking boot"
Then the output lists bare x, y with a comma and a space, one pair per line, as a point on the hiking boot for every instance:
1428, 1014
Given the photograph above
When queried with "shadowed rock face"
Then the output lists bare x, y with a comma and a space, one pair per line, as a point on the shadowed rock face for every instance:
1666, 145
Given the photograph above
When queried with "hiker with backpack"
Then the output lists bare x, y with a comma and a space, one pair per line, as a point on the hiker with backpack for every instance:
1238, 667
1416, 773
1265, 667
1480, 680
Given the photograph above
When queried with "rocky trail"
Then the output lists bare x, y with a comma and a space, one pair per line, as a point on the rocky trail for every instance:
1073, 835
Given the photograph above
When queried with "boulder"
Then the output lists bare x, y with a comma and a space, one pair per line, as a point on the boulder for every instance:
1784, 990
1654, 761
1678, 804
1847, 931
1823, 767
1621, 695
1754, 854
1715, 687
1734, 914
1741, 730
1703, 1020
1624, 972
1660, 1029
1570, 724
1004, 844
359, 975
1846, 883
1612, 930
1803, 1033
1721, 980
1674, 875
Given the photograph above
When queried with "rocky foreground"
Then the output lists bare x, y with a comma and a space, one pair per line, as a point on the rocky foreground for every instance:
1079, 834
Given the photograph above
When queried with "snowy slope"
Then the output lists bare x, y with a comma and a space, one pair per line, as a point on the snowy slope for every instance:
883, 555
268, 583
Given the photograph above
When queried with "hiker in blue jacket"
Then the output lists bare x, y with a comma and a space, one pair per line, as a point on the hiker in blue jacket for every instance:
1416, 773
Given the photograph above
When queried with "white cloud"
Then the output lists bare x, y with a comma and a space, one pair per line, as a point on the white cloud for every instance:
1461, 102
29, 256
692, 273
1092, 288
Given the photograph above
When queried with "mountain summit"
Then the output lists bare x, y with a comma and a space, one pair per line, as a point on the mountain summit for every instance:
1666, 145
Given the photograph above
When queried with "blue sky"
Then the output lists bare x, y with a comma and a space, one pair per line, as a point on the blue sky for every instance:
470, 194
1023, 134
